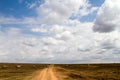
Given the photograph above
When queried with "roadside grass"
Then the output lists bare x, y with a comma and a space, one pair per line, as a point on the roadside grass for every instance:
10, 71
90, 71
18, 71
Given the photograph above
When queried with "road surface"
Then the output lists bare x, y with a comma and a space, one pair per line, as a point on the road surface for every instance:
45, 74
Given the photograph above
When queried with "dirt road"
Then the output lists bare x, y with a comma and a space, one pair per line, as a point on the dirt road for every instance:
45, 74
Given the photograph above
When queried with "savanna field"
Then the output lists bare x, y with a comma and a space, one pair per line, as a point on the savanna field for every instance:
10, 71
59, 39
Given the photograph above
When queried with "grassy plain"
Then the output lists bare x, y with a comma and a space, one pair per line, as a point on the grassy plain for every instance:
90, 71
12, 71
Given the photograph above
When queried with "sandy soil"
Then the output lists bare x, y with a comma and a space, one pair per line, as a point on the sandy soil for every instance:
45, 74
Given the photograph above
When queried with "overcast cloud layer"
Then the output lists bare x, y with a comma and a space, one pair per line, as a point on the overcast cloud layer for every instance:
54, 37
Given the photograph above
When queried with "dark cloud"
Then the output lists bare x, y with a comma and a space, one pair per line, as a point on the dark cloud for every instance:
108, 45
103, 27
108, 17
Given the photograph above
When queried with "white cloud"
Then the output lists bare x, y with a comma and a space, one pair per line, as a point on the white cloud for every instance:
83, 46
13, 31
108, 17
42, 30
58, 11
53, 12
71, 41
13, 20
4, 20
32, 5
56, 29
66, 35
85, 10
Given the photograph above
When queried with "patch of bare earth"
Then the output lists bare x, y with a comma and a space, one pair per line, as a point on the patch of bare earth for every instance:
45, 74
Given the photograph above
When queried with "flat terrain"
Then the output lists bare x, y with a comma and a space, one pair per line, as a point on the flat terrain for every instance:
47, 73
59, 71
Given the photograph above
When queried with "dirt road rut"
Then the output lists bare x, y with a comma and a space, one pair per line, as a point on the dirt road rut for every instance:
45, 74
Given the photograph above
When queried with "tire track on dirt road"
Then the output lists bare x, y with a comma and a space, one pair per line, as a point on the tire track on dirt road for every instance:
45, 74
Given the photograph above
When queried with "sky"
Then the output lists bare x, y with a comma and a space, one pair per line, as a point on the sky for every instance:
60, 31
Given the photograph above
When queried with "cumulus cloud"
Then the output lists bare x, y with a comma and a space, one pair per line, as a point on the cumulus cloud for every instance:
73, 45
13, 20
69, 42
56, 29
58, 11
108, 16
37, 29
53, 12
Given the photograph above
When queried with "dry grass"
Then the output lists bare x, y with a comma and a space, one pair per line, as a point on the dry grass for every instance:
63, 71
15, 72
90, 72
